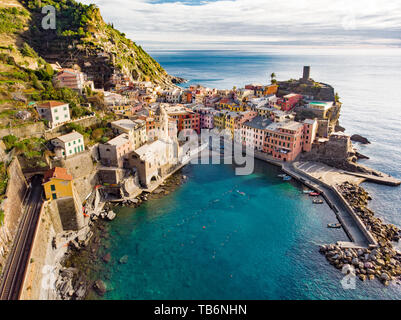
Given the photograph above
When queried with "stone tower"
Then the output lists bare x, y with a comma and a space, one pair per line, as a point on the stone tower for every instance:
306, 75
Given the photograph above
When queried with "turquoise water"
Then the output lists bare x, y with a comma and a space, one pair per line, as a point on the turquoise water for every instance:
263, 245
206, 241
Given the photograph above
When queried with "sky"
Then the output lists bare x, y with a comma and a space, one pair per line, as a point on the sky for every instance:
202, 24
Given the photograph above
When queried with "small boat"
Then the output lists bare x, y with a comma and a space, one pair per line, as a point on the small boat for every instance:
318, 201
281, 175
241, 193
307, 191
334, 225
314, 194
287, 178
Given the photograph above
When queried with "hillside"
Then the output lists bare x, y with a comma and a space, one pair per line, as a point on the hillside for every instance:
83, 38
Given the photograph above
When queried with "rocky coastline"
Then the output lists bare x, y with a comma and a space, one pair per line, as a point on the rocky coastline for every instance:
383, 262
84, 268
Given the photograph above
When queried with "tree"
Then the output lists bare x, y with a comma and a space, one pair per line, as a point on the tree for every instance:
273, 78
337, 97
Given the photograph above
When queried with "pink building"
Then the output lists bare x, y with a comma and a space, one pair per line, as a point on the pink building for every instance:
206, 117
281, 140
289, 101
136, 108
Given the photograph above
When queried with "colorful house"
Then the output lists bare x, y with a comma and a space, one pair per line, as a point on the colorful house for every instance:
57, 183
289, 101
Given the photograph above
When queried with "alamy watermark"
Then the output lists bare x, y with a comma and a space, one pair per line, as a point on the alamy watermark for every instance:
49, 20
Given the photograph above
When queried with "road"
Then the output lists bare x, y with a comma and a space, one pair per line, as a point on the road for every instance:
14, 271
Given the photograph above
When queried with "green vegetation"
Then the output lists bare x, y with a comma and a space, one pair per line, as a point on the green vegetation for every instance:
92, 135
12, 19
3, 178
27, 51
1, 218
30, 151
84, 25
337, 97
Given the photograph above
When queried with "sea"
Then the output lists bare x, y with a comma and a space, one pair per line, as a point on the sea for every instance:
223, 236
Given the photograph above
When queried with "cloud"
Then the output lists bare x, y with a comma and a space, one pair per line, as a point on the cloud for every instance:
192, 21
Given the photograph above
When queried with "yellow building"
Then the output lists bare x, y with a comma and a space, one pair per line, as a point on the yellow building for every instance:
230, 122
57, 183
220, 120
125, 110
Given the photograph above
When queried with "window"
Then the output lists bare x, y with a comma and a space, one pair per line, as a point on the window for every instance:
53, 187
54, 196
57, 118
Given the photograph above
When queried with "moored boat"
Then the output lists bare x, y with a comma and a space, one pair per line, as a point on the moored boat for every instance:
314, 194
334, 225
318, 201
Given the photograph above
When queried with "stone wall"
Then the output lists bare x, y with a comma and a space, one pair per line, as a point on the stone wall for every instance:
85, 122
83, 170
31, 130
12, 206
70, 213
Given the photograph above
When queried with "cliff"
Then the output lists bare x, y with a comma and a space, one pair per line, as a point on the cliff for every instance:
83, 38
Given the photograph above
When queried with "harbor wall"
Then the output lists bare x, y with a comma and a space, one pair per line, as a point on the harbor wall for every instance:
350, 211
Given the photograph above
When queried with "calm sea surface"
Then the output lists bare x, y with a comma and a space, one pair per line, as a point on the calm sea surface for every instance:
207, 241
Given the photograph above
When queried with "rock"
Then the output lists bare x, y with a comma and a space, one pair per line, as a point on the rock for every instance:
384, 277
100, 287
107, 257
380, 262
362, 277
371, 271
360, 139
368, 265
80, 292
355, 261
111, 215
123, 259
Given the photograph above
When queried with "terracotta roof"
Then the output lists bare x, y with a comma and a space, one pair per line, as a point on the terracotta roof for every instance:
52, 104
57, 173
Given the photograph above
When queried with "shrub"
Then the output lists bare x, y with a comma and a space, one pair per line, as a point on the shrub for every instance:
27, 51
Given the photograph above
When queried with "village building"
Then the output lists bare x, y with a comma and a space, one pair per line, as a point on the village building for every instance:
136, 129
172, 96
319, 109
115, 152
55, 112
69, 144
60, 191
114, 99
281, 140
289, 101
73, 79
155, 159
184, 118
206, 117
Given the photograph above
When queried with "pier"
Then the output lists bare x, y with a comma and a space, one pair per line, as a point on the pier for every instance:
352, 225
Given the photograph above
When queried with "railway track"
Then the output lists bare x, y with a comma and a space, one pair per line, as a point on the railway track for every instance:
14, 271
